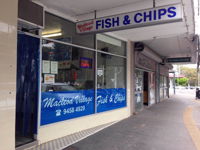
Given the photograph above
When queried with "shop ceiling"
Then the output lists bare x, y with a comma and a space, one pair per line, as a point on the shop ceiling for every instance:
168, 40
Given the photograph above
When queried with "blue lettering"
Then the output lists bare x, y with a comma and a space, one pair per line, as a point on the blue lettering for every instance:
98, 23
108, 23
126, 21
136, 18
154, 15
171, 11
161, 12
115, 21
149, 15
102, 24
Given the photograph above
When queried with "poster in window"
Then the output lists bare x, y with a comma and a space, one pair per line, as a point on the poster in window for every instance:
49, 78
85, 62
54, 67
46, 66
100, 72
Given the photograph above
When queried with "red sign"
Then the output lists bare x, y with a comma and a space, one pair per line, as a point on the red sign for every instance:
85, 62
85, 26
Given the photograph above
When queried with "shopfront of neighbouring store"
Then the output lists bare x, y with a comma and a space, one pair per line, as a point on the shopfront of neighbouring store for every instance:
145, 81
164, 82
66, 80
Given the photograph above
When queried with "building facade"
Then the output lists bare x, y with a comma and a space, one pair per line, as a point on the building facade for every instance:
57, 82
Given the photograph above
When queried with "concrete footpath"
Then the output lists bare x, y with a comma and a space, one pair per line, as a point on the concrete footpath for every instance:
163, 126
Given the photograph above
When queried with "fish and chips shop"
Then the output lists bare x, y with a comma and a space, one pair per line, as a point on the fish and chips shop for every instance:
72, 76
68, 80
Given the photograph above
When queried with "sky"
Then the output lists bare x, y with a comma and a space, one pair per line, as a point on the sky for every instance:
188, 65
191, 65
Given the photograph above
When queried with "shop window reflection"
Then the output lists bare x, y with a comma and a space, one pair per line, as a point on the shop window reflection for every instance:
60, 29
110, 71
63, 67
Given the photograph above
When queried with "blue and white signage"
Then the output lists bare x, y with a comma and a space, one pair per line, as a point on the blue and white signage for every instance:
159, 15
109, 99
60, 106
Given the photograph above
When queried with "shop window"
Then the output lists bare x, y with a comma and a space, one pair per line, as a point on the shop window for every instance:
68, 72
161, 87
111, 45
64, 30
111, 82
67, 82
66, 68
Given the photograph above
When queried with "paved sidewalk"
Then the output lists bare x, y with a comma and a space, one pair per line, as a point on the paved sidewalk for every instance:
160, 127
196, 114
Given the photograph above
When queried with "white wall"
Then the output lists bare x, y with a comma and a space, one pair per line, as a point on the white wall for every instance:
8, 42
61, 129
131, 77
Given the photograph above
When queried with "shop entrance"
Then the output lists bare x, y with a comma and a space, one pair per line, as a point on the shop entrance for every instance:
27, 88
139, 89
146, 88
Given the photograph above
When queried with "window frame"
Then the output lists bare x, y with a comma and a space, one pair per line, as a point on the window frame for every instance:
96, 52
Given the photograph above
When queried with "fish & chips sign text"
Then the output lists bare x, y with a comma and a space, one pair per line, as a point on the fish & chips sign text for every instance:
160, 15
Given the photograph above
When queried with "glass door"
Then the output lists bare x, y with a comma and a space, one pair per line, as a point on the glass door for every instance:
152, 88
138, 89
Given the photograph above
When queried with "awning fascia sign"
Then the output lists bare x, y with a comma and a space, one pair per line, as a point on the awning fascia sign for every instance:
141, 18
179, 60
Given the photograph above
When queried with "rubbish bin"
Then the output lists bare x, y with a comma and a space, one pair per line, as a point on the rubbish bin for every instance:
197, 93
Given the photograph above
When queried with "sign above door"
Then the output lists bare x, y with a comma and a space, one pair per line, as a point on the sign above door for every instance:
136, 19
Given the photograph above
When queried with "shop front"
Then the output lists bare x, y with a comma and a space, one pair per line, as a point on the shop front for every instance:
60, 77
145, 86
68, 81
164, 82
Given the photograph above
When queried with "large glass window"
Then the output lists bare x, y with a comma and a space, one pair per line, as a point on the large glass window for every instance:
80, 81
111, 82
111, 71
66, 68
67, 82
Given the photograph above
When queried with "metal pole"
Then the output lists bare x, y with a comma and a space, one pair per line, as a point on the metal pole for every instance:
174, 84
95, 47
197, 81
154, 3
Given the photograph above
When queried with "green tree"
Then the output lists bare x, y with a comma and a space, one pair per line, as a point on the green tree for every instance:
182, 81
190, 73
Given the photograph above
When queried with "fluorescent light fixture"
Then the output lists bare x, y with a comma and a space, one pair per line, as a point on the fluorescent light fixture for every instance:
52, 35
50, 45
